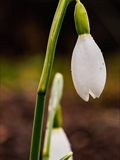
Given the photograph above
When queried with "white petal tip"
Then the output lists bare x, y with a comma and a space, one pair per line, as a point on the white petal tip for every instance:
86, 98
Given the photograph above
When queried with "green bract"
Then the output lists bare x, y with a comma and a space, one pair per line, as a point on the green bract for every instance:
81, 19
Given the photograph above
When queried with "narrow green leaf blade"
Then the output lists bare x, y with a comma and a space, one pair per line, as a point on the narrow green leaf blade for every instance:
66, 157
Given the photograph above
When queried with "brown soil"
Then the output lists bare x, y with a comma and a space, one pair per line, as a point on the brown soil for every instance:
92, 132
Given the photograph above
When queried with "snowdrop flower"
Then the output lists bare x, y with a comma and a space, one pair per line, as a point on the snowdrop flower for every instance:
59, 145
87, 65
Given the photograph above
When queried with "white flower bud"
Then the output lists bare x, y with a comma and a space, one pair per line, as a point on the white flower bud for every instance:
59, 145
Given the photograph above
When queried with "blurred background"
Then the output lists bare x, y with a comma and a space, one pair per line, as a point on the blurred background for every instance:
92, 127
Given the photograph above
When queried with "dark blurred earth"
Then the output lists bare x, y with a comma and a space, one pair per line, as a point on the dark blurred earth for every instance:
92, 128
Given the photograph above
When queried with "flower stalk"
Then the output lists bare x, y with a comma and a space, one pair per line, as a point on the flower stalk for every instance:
52, 41
44, 80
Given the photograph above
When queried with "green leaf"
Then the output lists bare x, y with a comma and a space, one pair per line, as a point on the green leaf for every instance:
67, 156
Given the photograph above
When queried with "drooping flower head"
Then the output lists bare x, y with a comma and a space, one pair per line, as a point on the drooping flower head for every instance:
87, 65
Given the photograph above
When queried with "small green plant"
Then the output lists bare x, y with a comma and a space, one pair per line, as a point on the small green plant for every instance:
56, 143
88, 74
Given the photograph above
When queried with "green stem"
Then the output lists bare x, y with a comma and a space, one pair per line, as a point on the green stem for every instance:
48, 136
42, 88
37, 128
52, 41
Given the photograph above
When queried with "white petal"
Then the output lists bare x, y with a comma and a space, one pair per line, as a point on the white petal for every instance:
88, 68
59, 145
